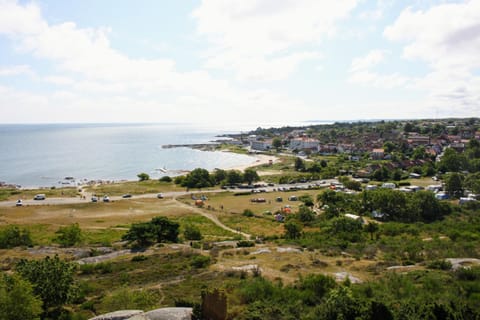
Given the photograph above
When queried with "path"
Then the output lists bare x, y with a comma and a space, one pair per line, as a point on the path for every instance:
211, 217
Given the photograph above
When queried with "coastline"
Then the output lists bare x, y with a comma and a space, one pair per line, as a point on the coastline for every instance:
257, 160
260, 159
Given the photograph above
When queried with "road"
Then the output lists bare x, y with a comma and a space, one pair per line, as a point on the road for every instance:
173, 194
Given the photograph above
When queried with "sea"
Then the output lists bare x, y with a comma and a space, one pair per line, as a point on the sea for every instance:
43, 155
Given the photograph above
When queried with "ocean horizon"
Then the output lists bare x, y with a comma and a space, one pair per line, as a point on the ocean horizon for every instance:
43, 155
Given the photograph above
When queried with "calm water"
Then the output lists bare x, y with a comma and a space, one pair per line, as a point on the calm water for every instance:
43, 155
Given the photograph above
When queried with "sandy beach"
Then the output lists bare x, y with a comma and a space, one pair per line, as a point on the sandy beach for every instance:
258, 159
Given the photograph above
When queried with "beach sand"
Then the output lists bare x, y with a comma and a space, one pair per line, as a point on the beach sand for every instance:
258, 159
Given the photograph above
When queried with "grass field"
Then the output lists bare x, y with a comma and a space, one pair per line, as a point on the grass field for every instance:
13, 194
133, 187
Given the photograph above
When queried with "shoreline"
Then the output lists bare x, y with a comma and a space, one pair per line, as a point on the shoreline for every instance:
257, 160
260, 159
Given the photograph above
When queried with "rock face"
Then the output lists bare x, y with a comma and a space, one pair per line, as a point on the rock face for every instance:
118, 315
170, 314
158, 314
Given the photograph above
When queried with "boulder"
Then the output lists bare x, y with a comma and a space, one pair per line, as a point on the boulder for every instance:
169, 314
118, 315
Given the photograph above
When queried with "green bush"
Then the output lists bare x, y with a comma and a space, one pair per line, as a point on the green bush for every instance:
166, 179
200, 261
13, 236
248, 213
69, 236
139, 258
192, 233
245, 243
440, 264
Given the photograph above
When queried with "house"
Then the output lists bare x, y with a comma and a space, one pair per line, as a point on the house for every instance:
304, 143
418, 140
261, 145
378, 154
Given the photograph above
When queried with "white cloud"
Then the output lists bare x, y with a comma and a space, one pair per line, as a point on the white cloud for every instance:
266, 39
361, 73
97, 79
373, 58
59, 80
15, 70
447, 38
16, 19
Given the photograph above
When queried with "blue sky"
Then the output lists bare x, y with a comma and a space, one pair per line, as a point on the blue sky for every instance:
238, 61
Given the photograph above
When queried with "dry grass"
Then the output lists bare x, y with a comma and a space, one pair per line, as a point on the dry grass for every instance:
133, 187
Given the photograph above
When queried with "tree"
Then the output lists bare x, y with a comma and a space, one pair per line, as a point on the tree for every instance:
472, 182
340, 304
299, 164
165, 179
192, 232
51, 279
277, 143
419, 153
454, 185
371, 228
143, 176
425, 207
391, 203
234, 177
198, 178
12, 236
389, 146
17, 300
159, 229
315, 286
219, 175
69, 236
250, 175
305, 215
293, 230
143, 233
452, 161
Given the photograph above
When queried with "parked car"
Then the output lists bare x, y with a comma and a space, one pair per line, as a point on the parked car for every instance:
127, 195
160, 196
39, 197
106, 199
19, 203
94, 199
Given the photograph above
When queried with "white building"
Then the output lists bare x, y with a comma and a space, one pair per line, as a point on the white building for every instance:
261, 145
304, 143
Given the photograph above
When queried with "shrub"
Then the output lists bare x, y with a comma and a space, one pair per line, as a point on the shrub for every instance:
192, 233
143, 176
139, 258
69, 236
245, 244
440, 264
13, 236
200, 261
248, 213
159, 229
166, 179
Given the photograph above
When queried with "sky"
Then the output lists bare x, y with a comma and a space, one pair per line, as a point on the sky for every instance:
238, 61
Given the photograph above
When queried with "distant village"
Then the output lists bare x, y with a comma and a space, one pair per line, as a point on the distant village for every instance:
384, 140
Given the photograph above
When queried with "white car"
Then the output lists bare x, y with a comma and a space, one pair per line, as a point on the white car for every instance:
39, 197
106, 199
19, 203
